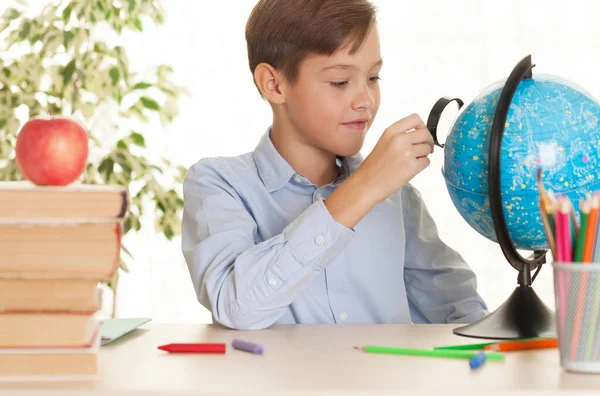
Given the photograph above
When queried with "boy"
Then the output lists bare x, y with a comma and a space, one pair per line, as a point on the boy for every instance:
302, 230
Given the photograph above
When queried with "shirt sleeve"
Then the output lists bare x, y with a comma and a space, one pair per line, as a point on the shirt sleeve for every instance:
247, 283
441, 287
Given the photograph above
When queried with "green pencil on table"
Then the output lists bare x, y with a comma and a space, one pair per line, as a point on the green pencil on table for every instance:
443, 353
466, 347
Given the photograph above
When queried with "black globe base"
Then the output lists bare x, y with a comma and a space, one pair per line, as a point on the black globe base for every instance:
523, 315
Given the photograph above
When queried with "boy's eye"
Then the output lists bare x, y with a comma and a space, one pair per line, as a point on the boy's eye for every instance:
339, 84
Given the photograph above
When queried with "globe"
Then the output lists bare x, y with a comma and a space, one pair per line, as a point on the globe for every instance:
551, 123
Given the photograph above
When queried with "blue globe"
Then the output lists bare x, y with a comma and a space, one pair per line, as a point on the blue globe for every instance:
552, 124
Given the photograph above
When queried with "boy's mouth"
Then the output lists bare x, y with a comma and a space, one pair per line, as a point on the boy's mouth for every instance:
357, 125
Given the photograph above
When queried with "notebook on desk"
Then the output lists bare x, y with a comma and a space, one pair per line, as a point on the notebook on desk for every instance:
115, 328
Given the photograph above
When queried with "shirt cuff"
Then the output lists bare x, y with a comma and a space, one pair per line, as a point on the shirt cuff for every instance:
315, 238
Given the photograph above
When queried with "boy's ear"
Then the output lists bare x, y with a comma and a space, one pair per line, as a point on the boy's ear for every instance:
270, 82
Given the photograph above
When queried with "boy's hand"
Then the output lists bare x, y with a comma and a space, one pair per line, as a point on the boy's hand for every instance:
399, 155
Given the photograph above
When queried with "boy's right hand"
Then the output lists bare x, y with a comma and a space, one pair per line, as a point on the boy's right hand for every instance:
399, 155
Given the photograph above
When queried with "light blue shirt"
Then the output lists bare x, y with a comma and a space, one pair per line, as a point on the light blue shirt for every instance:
262, 248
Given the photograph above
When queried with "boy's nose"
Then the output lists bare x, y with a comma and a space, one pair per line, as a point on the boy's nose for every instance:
364, 99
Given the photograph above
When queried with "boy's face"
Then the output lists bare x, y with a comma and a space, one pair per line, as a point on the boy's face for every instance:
335, 98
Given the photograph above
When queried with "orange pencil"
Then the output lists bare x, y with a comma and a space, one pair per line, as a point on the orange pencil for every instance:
523, 345
590, 232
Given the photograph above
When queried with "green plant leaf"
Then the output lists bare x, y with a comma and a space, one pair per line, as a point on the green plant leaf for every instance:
10, 14
66, 15
115, 76
67, 38
127, 224
122, 265
126, 251
25, 29
106, 168
138, 24
142, 85
137, 139
149, 103
157, 168
100, 47
68, 72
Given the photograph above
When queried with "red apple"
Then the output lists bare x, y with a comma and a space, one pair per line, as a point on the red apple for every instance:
52, 151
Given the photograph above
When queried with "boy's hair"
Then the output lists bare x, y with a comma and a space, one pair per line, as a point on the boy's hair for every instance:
283, 33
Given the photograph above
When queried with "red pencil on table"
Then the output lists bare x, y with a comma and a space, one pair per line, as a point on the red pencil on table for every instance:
193, 348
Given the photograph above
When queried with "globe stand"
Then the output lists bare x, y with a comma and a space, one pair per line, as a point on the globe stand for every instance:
523, 314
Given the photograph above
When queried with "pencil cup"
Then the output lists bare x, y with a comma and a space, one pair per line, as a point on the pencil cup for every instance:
577, 297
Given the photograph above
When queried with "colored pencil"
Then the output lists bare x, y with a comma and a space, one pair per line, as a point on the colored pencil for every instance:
574, 226
553, 209
546, 214
194, 348
584, 210
560, 237
596, 254
429, 352
471, 347
569, 236
466, 347
523, 345
567, 230
590, 232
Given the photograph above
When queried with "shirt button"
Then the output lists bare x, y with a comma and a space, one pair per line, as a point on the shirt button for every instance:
343, 316
297, 179
320, 240
272, 281
319, 196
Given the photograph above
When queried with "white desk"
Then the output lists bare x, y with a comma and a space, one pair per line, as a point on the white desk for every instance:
309, 358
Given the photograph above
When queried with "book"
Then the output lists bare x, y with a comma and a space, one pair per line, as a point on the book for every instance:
49, 295
71, 249
46, 330
25, 200
113, 329
50, 364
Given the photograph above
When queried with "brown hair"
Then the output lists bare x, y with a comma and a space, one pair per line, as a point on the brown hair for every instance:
283, 33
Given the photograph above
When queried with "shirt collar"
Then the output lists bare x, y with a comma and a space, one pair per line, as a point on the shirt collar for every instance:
275, 171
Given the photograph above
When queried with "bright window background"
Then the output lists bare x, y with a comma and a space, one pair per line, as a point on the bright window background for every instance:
430, 48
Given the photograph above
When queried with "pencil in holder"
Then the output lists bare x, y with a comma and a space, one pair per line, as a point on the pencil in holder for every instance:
577, 297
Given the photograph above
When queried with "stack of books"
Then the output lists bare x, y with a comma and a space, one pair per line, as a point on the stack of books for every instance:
56, 245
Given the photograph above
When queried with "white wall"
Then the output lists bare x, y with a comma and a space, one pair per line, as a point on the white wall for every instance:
430, 48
